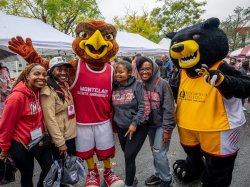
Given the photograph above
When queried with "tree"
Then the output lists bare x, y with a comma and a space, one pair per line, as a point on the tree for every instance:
142, 25
237, 27
177, 14
61, 14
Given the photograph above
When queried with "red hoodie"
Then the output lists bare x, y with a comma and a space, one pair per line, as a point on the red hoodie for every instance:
22, 114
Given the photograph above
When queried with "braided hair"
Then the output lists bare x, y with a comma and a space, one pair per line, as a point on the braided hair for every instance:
24, 73
52, 84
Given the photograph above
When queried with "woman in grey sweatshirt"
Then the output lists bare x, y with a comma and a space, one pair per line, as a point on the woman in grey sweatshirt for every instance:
130, 114
161, 119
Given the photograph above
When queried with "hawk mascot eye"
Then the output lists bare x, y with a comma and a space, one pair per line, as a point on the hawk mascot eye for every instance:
83, 35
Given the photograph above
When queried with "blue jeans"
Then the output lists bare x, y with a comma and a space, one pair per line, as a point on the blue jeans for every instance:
159, 151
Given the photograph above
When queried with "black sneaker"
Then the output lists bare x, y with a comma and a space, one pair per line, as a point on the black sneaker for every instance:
167, 184
152, 180
135, 182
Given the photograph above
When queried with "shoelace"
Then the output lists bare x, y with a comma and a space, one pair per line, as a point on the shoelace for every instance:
111, 175
92, 176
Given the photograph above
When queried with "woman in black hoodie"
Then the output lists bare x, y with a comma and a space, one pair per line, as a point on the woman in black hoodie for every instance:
161, 119
130, 114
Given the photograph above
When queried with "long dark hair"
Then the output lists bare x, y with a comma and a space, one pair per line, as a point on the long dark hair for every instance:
51, 82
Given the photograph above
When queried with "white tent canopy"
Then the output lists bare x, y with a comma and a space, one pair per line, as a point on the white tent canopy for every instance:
131, 43
165, 42
46, 39
49, 41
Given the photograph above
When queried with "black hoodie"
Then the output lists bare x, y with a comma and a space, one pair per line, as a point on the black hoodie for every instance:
128, 103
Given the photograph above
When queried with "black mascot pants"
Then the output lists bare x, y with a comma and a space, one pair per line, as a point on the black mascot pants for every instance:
218, 170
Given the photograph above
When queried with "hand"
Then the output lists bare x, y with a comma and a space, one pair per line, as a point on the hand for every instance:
131, 131
166, 137
213, 77
3, 155
21, 47
63, 150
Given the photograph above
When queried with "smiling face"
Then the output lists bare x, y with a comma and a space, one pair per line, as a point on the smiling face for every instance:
122, 74
36, 79
95, 41
146, 71
61, 73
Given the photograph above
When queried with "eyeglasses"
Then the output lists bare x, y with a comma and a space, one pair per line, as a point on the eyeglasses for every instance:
145, 70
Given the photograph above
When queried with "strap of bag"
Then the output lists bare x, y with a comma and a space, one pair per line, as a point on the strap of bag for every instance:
25, 146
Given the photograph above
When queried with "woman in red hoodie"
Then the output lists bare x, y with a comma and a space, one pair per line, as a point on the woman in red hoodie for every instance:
22, 122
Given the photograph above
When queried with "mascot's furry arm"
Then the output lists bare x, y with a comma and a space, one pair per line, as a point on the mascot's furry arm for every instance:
228, 80
235, 84
27, 51
232, 82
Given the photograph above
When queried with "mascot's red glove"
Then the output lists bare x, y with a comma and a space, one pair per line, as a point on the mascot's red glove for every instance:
26, 50
213, 77
21, 47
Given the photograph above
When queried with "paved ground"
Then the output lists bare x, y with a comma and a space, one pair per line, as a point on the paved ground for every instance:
241, 175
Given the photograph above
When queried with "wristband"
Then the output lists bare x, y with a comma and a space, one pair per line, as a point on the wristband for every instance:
167, 131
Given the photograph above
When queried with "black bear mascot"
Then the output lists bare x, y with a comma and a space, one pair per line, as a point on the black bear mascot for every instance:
209, 108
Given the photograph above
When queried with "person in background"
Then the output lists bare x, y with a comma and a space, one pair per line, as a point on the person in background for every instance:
175, 76
125, 58
167, 63
161, 119
232, 61
134, 69
162, 68
58, 108
244, 70
5, 87
130, 114
22, 122
236, 63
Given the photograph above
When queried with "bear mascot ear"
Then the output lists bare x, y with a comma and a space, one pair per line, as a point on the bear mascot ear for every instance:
170, 35
210, 23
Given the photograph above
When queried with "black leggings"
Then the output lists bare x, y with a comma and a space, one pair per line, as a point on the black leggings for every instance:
131, 148
25, 163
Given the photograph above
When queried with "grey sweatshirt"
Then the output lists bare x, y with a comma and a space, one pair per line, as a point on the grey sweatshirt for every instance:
161, 101
128, 103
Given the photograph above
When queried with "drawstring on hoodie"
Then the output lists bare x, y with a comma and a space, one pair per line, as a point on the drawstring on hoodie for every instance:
37, 105
149, 92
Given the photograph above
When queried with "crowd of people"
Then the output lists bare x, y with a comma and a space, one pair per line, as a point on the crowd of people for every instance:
41, 102
243, 65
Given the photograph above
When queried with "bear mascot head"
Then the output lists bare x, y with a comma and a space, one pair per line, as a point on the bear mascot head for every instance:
203, 43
